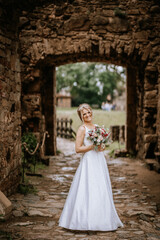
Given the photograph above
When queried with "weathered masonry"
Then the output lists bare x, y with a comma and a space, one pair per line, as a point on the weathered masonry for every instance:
37, 36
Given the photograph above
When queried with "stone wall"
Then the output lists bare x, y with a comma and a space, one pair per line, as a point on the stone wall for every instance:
118, 32
10, 92
47, 34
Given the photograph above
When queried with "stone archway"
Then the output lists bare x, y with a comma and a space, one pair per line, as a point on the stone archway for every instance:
98, 32
48, 82
44, 35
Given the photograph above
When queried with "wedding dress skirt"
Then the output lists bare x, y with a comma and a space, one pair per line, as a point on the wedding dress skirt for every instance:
89, 205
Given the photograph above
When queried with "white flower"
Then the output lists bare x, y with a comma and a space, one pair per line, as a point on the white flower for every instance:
100, 138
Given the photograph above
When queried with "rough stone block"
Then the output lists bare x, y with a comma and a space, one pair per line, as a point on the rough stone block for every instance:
151, 95
2, 53
108, 12
118, 25
100, 20
133, 12
148, 86
77, 22
150, 138
5, 206
155, 9
140, 35
146, 53
150, 103
151, 68
107, 48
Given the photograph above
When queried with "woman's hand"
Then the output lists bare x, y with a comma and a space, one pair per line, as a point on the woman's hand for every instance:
101, 148
92, 147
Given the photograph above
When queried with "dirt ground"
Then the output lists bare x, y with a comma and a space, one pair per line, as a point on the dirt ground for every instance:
149, 178
135, 192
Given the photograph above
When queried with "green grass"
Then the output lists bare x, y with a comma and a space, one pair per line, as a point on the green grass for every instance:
100, 117
115, 146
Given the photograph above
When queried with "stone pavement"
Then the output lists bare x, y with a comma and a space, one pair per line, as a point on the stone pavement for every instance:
35, 216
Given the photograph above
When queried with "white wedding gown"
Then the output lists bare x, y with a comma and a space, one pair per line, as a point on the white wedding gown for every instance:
89, 205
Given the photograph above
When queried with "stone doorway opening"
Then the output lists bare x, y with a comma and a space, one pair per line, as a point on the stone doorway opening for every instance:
43, 91
101, 85
63, 37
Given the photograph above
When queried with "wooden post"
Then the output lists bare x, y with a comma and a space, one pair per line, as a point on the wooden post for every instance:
58, 127
131, 114
122, 134
54, 113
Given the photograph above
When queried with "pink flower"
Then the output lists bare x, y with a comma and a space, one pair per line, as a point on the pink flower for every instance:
100, 138
99, 135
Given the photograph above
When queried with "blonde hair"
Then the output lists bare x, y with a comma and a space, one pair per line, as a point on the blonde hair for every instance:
81, 107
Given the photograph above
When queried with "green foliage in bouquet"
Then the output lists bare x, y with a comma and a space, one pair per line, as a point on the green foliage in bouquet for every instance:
99, 136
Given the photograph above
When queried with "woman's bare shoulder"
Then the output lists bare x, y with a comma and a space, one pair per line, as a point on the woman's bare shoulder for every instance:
81, 128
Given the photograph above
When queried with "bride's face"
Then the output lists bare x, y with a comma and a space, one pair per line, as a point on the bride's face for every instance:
87, 115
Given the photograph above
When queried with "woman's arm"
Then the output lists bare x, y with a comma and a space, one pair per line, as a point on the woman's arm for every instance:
79, 141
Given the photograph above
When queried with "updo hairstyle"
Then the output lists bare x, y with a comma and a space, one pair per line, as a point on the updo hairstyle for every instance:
80, 109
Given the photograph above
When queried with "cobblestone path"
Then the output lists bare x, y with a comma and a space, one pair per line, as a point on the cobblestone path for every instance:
36, 216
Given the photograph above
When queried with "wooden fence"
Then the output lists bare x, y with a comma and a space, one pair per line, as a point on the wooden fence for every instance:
118, 133
64, 128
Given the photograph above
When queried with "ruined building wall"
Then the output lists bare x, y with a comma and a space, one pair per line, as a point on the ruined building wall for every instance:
49, 34
10, 91
120, 32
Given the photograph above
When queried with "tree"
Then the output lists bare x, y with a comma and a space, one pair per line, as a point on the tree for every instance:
89, 82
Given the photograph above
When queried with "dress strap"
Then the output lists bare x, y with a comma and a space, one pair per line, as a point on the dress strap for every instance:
89, 128
85, 127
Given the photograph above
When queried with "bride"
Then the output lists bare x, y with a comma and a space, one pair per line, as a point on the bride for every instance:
89, 205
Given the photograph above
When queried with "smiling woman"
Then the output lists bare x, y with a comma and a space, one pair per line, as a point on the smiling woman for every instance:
84, 110
89, 205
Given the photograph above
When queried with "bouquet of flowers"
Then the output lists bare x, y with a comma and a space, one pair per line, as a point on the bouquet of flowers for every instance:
99, 136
